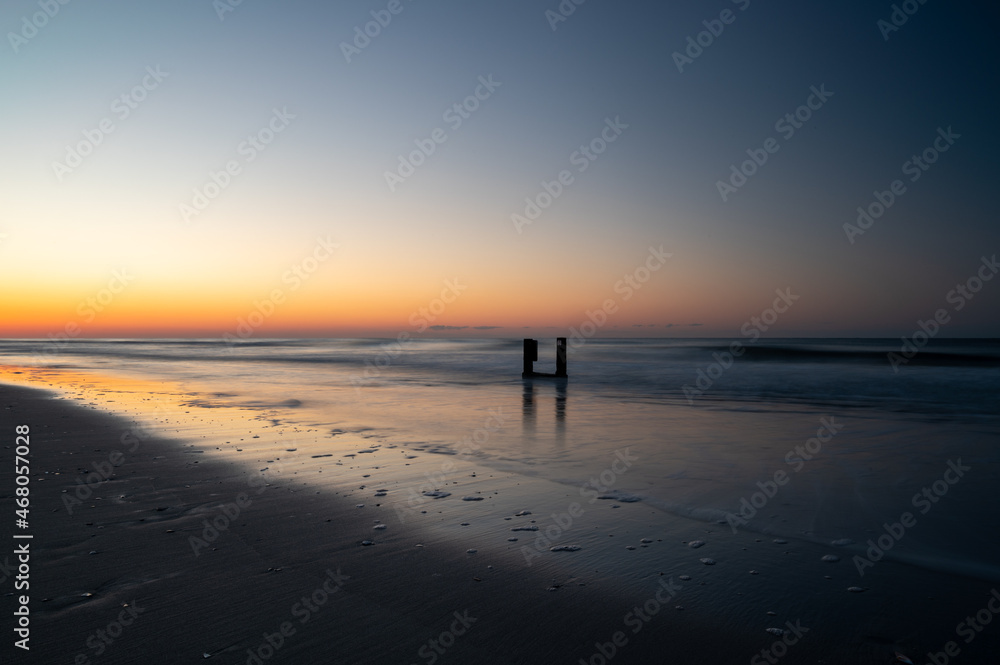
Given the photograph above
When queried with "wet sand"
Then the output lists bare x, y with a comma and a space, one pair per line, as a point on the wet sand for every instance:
288, 553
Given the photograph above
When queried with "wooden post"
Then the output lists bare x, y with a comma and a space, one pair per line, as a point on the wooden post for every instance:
561, 356
530, 356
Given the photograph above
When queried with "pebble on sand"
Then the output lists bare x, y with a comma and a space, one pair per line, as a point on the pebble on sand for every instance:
831, 558
565, 548
684, 577
437, 494
695, 544
472, 498
624, 497
856, 589
525, 528
707, 561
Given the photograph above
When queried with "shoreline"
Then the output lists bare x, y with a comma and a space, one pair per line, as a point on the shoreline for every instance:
250, 580
282, 538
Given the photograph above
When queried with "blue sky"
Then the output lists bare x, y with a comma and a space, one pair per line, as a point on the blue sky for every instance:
348, 123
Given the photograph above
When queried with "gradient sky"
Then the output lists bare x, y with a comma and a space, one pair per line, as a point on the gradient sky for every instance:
65, 235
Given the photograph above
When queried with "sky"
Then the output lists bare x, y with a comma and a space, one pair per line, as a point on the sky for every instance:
368, 168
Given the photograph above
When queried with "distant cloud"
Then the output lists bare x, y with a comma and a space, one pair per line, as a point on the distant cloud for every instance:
440, 327
695, 325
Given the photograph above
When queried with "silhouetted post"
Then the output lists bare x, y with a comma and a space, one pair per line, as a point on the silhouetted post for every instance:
561, 356
530, 356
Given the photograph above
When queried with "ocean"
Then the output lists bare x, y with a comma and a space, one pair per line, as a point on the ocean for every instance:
822, 440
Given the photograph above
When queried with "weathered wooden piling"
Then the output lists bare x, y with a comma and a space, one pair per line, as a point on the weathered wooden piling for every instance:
531, 356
